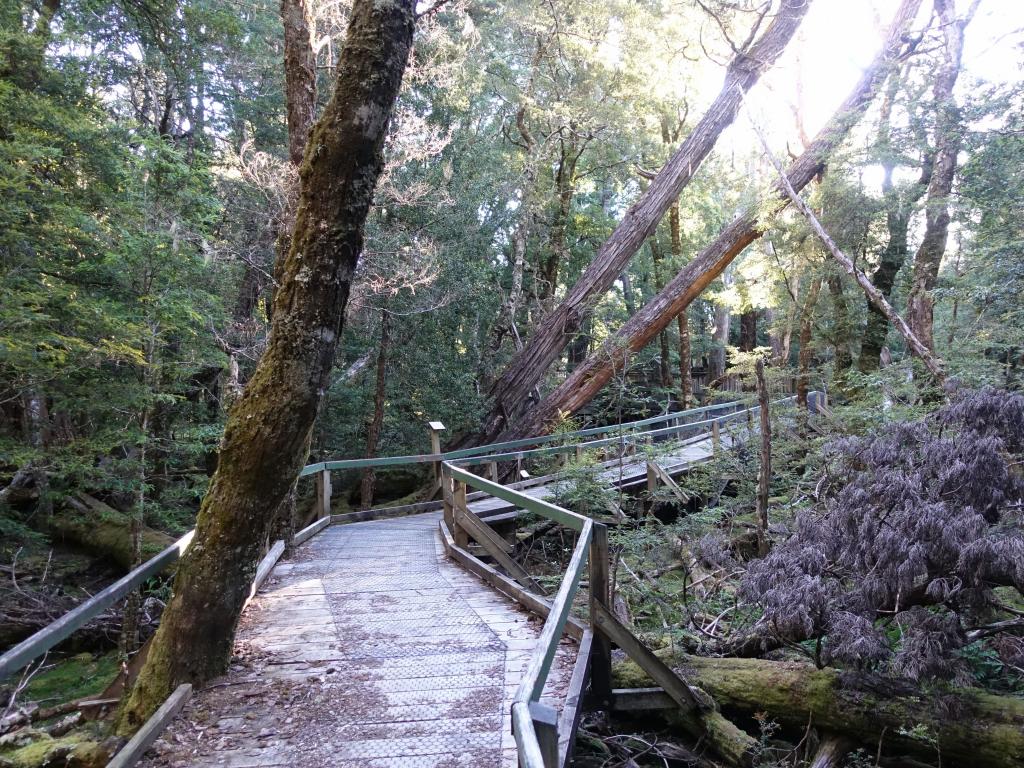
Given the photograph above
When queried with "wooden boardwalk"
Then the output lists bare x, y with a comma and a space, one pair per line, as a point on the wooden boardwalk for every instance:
619, 473
367, 649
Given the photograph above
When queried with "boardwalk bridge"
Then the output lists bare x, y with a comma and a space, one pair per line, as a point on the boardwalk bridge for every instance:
411, 636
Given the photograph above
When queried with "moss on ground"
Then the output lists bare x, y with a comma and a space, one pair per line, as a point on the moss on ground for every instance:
73, 678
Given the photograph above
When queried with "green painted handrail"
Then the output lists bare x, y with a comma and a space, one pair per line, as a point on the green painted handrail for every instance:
46, 638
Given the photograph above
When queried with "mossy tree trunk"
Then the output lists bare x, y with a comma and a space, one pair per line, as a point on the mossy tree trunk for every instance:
986, 731
989, 730
268, 428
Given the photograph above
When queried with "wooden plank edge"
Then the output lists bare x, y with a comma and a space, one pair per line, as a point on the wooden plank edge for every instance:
641, 699
502, 583
310, 531
609, 625
133, 751
264, 568
494, 545
569, 720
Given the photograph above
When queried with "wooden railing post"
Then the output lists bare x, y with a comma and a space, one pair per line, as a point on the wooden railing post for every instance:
601, 649
545, 725
447, 492
651, 478
492, 471
716, 437
323, 494
459, 502
436, 428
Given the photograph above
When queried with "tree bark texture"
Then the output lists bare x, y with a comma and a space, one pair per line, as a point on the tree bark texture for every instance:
720, 340
565, 186
266, 436
682, 319
948, 136
299, 77
748, 330
510, 393
588, 379
840, 324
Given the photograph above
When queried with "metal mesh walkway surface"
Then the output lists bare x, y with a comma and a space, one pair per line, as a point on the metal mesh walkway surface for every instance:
367, 648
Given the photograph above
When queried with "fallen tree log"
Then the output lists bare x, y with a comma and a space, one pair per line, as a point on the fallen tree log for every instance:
97, 528
960, 725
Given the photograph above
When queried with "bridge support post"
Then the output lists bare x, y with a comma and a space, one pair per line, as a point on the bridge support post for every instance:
447, 493
492, 471
459, 502
716, 437
323, 494
436, 428
601, 649
545, 725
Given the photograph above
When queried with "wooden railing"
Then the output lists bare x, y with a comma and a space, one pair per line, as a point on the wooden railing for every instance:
543, 736
536, 726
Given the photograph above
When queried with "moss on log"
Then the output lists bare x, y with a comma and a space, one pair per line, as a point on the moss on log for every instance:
99, 529
962, 725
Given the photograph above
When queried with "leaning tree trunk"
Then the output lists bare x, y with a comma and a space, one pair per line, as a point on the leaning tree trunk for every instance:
509, 395
588, 379
948, 133
265, 439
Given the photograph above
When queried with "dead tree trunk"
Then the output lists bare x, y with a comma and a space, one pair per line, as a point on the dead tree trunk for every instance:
509, 395
267, 432
918, 347
948, 135
373, 433
588, 379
